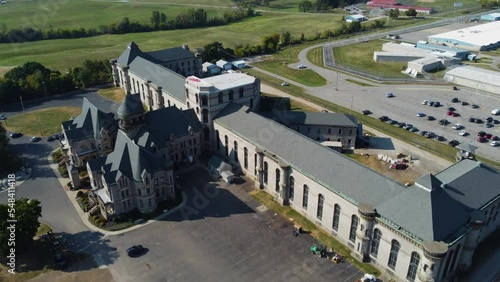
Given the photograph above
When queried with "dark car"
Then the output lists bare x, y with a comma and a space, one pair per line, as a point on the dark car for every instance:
463, 103
408, 126
494, 138
414, 129
453, 143
495, 121
489, 119
474, 106
444, 122
488, 135
15, 135
472, 119
436, 104
440, 138
488, 125
481, 139
451, 109
478, 120
423, 133
455, 100
401, 125
430, 135
383, 118
135, 250
455, 88
35, 139
481, 133
430, 118
53, 137
366, 112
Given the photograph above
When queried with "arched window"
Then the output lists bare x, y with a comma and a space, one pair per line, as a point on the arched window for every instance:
278, 177
196, 96
197, 110
231, 95
188, 105
336, 217
245, 158
393, 256
292, 188
305, 197
217, 139
412, 269
204, 100
375, 242
354, 227
235, 151
240, 91
220, 97
168, 102
265, 172
204, 113
319, 212
226, 145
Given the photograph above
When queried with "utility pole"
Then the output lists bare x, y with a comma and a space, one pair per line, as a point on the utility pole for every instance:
44, 89
22, 105
352, 102
337, 83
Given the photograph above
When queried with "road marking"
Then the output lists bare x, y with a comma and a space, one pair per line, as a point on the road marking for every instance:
100, 262
242, 260
349, 279
421, 88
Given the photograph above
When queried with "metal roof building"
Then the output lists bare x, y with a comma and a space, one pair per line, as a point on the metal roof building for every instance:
474, 38
491, 17
478, 78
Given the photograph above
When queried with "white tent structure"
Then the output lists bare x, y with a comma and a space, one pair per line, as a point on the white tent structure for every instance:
219, 168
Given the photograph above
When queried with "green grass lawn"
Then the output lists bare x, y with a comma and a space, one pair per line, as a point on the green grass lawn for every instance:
315, 56
42, 122
64, 53
113, 93
360, 56
304, 76
74, 14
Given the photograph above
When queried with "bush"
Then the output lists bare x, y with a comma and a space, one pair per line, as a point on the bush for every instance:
57, 156
101, 224
63, 171
79, 194
83, 173
95, 217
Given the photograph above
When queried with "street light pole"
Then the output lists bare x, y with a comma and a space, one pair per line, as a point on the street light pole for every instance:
337, 83
44, 89
22, 105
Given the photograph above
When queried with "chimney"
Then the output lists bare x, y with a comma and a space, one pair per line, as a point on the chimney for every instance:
185, 47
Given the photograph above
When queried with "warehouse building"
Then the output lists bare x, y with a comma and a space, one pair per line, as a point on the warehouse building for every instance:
355, 18
478, 78
474, 38
491, 17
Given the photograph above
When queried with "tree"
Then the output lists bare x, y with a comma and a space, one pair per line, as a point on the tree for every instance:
305, 6
211, 52
393, 13
411, 13
286, 38
155, 19
27, 212
270, 42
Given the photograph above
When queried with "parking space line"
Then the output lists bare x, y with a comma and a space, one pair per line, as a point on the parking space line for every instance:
242, 260
350, 277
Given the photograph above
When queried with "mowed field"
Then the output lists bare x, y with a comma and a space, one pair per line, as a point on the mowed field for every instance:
64, 53
75, 14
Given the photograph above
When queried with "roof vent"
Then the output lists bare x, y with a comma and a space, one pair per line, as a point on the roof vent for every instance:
444, 185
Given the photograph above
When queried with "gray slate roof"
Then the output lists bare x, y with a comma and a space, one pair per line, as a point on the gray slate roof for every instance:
131, 105
471, 183
312, 118
161, 123
130, 160
170, 54
89, 123
322, 164
430, 215
170, 81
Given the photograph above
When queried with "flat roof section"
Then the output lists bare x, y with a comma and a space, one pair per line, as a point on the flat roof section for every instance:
479, 35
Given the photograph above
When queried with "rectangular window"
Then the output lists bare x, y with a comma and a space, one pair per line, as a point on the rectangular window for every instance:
340, 131
156, 181
148, 191
126, 193
123, 194
141, 204
162, 180
329, 131
124, 204
350, 131
139, 192
150, 203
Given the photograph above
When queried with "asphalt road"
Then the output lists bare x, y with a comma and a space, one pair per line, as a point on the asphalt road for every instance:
57, 210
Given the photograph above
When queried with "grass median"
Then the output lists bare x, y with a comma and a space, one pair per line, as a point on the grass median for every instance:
42, 122
113, 93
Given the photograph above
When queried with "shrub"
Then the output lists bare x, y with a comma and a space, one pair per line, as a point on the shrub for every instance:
79, 194
57, 156
83, 173
63, 171
101, 224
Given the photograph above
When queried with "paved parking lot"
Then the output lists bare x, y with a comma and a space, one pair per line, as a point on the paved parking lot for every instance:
219, 235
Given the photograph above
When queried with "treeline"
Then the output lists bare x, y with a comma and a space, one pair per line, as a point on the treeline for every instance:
275, 42
189, 18
33, 80
489, 4
324, 5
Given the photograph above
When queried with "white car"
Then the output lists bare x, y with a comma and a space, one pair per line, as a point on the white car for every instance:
424, 102
494, 143
368, 278
302, 66
495, 112
457, 126
420, 115
285, 84
463, 133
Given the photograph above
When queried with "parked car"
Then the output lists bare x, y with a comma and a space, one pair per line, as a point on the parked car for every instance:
474, 106
463, 133
489, 119
451, 109
302, 67
389, 95
455, 88
414, 129
420, 115
15, 134
436, 104
488, 125
478, 120
366, 112
455, 100
408, 126
383, 118
444, 122
35, 139
463, 103
430, 118
135, 250
488, 135
495, 121
440, 138
481, 140
457, 126
424, 102
453, 143
430, 135
431, 103
481, 133
495, 112
472, 119
285, 84
495, 138
423, 133
494, 143
368, 278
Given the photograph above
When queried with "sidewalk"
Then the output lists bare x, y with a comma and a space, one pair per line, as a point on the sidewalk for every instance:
84, 216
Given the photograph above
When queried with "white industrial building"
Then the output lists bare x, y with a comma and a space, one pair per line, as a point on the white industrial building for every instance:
474, 38
478, 78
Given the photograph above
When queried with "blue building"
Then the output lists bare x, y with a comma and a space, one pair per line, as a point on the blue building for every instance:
445, 50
